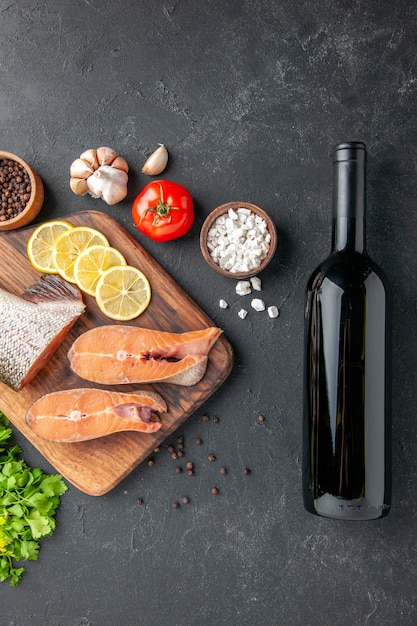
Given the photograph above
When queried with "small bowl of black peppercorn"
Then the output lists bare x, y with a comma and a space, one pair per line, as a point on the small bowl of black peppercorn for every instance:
21, 192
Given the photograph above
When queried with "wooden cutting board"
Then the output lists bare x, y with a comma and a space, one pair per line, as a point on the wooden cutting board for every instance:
95, 467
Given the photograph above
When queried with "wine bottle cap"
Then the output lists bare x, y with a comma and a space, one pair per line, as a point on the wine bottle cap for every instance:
349, 151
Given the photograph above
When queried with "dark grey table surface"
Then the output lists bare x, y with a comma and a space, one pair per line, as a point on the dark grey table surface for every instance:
249, 97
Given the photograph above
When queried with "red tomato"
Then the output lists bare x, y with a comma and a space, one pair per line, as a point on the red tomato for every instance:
163, 210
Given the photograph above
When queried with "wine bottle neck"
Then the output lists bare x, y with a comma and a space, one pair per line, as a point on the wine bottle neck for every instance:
349, 234
349, 197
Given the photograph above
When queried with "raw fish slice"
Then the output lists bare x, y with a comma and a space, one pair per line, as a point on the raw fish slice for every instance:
114, 355
34, 325
83, 414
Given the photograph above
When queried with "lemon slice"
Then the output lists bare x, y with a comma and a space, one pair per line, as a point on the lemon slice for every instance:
123, 292
92, 263
70, 244
40, 245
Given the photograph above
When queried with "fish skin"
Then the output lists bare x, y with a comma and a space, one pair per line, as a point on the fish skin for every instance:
83, 414
33, 325
114, 355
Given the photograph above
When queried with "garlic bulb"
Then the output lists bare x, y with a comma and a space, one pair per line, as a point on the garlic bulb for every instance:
157, 162
102, 173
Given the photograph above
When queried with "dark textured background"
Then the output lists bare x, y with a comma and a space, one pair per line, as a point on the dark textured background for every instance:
249, 98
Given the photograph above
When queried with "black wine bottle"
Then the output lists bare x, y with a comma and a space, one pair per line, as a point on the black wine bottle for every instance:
347, 422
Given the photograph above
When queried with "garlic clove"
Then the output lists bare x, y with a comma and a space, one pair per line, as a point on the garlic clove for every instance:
157, 162
121, 164
90, 157
79, 186
80, 169
105, 156
108, 183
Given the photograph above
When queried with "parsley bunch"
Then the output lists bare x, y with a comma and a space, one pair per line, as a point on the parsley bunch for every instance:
28, 502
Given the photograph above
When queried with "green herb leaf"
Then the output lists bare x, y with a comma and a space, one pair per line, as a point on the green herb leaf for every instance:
16, 510
53, 485
29, 550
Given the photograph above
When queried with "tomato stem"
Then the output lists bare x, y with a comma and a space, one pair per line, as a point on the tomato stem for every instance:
162, 209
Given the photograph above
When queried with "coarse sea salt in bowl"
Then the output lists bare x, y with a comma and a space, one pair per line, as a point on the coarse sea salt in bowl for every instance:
238, 239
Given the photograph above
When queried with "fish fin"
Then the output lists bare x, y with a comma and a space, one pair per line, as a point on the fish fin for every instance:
51, 287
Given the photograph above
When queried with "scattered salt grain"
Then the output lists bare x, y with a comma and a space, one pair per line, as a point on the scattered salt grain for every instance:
243, 288
258, 304
256, 283
273, 311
